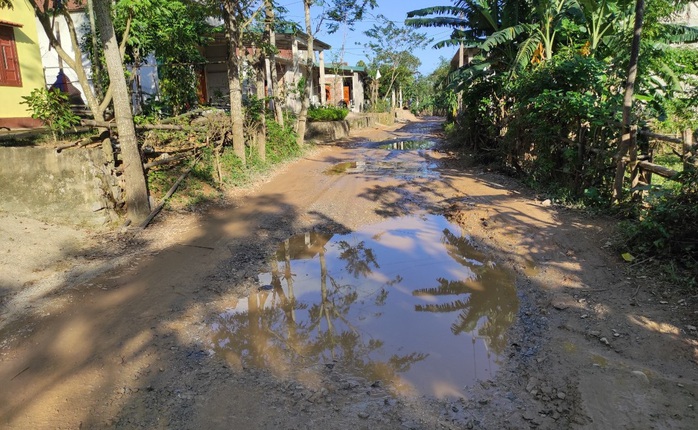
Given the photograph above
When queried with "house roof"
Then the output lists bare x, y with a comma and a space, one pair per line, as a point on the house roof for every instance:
10, 23
285, 40
344, 67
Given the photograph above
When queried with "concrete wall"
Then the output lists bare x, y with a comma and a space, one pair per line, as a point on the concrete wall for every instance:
67, 187
327, 131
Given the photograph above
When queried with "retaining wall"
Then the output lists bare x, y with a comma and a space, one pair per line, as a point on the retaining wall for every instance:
70, 187
323, 132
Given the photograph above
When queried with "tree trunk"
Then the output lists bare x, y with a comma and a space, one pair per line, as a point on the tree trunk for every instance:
96, 65
137, 203
276, 94
262, 126
305, 102
627, 135
234, 83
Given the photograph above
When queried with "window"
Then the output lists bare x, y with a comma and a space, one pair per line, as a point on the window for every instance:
9, 63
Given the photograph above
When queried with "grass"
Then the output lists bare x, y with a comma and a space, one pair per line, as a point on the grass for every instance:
666, 158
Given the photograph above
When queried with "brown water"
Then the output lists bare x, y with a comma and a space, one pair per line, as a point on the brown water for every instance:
409, 302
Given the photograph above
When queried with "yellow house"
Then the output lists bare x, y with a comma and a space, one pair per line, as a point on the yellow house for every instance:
21, 69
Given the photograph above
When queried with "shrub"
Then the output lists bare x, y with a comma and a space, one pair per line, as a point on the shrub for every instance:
669, 227
328, 113
281, 142
53, 108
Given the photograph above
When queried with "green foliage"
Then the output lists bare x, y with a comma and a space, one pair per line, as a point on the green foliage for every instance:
53, 108
558, 130
668, 227
327, 113
347, 13
380, 106
391, 47
281, 142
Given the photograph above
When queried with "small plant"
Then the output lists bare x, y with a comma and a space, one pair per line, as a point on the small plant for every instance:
53, 108
281, 142
328, 113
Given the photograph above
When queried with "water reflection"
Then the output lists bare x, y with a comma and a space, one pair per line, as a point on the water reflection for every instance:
409, 145
409, 302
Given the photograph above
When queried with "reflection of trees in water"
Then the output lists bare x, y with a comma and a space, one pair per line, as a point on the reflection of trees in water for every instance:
276, 331
491, 295
358, 258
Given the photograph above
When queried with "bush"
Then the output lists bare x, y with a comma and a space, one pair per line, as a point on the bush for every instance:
328, 113
669, 227
53, 108
281, 142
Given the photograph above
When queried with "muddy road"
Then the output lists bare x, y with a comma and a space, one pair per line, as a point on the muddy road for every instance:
373, 284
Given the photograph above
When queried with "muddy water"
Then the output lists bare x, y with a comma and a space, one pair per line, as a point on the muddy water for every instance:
409, 145
403, 160
409, 302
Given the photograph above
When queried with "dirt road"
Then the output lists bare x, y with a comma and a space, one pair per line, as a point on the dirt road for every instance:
376, 284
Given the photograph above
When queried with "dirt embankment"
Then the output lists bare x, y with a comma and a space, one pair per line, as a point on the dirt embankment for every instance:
101, 330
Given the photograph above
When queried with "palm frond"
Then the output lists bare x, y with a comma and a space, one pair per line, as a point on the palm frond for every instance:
666, 73
484, 9
677, 33
442, 21
460, 79
453, 42
506, 35
525, 52
436, 10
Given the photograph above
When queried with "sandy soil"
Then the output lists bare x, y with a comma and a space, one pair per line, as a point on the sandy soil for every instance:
111, 329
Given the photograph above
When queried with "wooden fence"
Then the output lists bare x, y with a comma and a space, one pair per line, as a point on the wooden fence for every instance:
642, 166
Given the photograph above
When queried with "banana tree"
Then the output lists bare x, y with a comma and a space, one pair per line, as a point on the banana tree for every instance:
541, 32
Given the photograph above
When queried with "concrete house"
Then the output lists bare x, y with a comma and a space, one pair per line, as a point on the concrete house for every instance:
20, 64
344, 86
290, 69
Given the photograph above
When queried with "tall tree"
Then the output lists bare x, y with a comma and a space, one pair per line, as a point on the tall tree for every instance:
310, 61
338, 12
137, 204
238, 17
173, 31
627, 137
269, 23
391, 46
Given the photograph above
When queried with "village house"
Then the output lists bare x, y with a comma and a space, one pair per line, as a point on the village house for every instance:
41, 66
20, 64
345, 86
290, 69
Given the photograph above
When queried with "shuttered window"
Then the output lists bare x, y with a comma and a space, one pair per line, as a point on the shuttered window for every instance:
9, 63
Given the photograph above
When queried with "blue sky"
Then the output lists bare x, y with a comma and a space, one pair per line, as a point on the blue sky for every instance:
395, 10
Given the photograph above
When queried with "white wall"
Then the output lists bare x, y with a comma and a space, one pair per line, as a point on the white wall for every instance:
49, 57
689, 16
148, 74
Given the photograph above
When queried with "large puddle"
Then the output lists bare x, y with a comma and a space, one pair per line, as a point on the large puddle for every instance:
410, 302
388, 166
409, 145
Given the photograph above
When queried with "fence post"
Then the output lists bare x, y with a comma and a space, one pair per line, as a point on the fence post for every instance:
635, 172
690, 152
